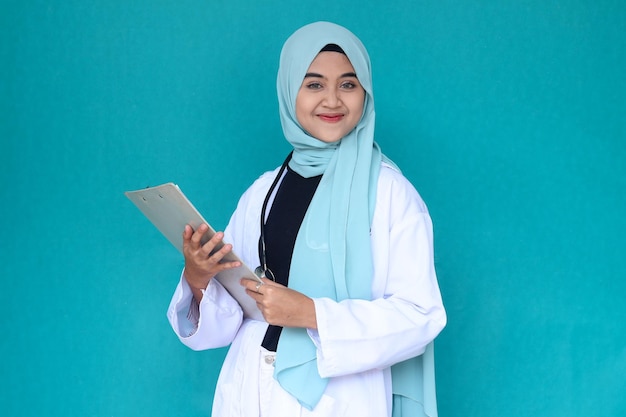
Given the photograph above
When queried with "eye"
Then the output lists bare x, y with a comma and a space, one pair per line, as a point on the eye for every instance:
348, 85
314, 85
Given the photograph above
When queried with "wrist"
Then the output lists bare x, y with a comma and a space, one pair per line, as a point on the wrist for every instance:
195, 280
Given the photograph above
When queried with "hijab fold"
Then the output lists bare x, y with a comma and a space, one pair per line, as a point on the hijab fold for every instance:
334, 235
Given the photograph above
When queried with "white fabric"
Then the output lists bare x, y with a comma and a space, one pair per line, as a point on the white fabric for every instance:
357, 341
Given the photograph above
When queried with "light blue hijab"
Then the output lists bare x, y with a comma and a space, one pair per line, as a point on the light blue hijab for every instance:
335, 233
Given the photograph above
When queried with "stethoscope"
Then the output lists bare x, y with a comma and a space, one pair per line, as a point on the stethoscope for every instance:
262, 271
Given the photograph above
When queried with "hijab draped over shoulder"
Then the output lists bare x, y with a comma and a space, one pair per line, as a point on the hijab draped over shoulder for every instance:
334, 235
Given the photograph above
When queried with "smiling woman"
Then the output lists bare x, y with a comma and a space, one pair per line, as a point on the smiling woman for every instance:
350, 271
330, 101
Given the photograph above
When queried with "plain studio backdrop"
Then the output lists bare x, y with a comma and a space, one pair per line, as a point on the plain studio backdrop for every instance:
508, 117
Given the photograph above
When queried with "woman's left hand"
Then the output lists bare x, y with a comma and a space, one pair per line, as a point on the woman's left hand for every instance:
281, 306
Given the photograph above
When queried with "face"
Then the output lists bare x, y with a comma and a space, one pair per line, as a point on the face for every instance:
330, 101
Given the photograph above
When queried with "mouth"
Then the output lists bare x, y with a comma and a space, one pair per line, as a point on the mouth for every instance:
330, 118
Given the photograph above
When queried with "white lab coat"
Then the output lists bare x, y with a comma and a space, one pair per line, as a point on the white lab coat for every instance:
357, 341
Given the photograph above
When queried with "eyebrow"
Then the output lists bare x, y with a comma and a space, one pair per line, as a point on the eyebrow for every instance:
316, 75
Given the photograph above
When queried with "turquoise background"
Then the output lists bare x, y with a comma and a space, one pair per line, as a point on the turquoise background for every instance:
509, 118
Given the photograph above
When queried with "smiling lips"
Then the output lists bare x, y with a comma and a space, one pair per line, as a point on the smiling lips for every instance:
331, 118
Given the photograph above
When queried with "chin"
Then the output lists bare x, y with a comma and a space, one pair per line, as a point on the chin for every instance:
329, 140
332, 138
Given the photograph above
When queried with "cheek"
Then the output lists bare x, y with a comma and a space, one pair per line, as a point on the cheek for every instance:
356, 108
301, 108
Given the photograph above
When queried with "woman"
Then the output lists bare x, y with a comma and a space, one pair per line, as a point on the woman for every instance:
350, 295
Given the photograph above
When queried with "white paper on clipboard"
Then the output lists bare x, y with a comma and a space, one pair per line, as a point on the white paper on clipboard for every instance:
169, 210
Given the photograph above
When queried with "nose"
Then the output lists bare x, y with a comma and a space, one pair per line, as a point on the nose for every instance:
332, 98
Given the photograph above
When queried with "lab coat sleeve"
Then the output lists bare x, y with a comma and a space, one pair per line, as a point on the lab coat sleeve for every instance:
219, 315
219, 319
406, 312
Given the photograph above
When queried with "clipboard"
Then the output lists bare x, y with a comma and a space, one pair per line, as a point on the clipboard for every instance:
169, 210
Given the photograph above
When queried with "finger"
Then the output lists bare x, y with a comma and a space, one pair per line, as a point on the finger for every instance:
215, 242
187, 232
255, 296
248, 284
251, 285
270, 285
270, 282
196, 237
219, 266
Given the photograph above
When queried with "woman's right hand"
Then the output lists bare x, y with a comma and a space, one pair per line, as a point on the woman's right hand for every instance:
200, 264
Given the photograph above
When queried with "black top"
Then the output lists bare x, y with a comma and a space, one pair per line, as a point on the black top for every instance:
281, 228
